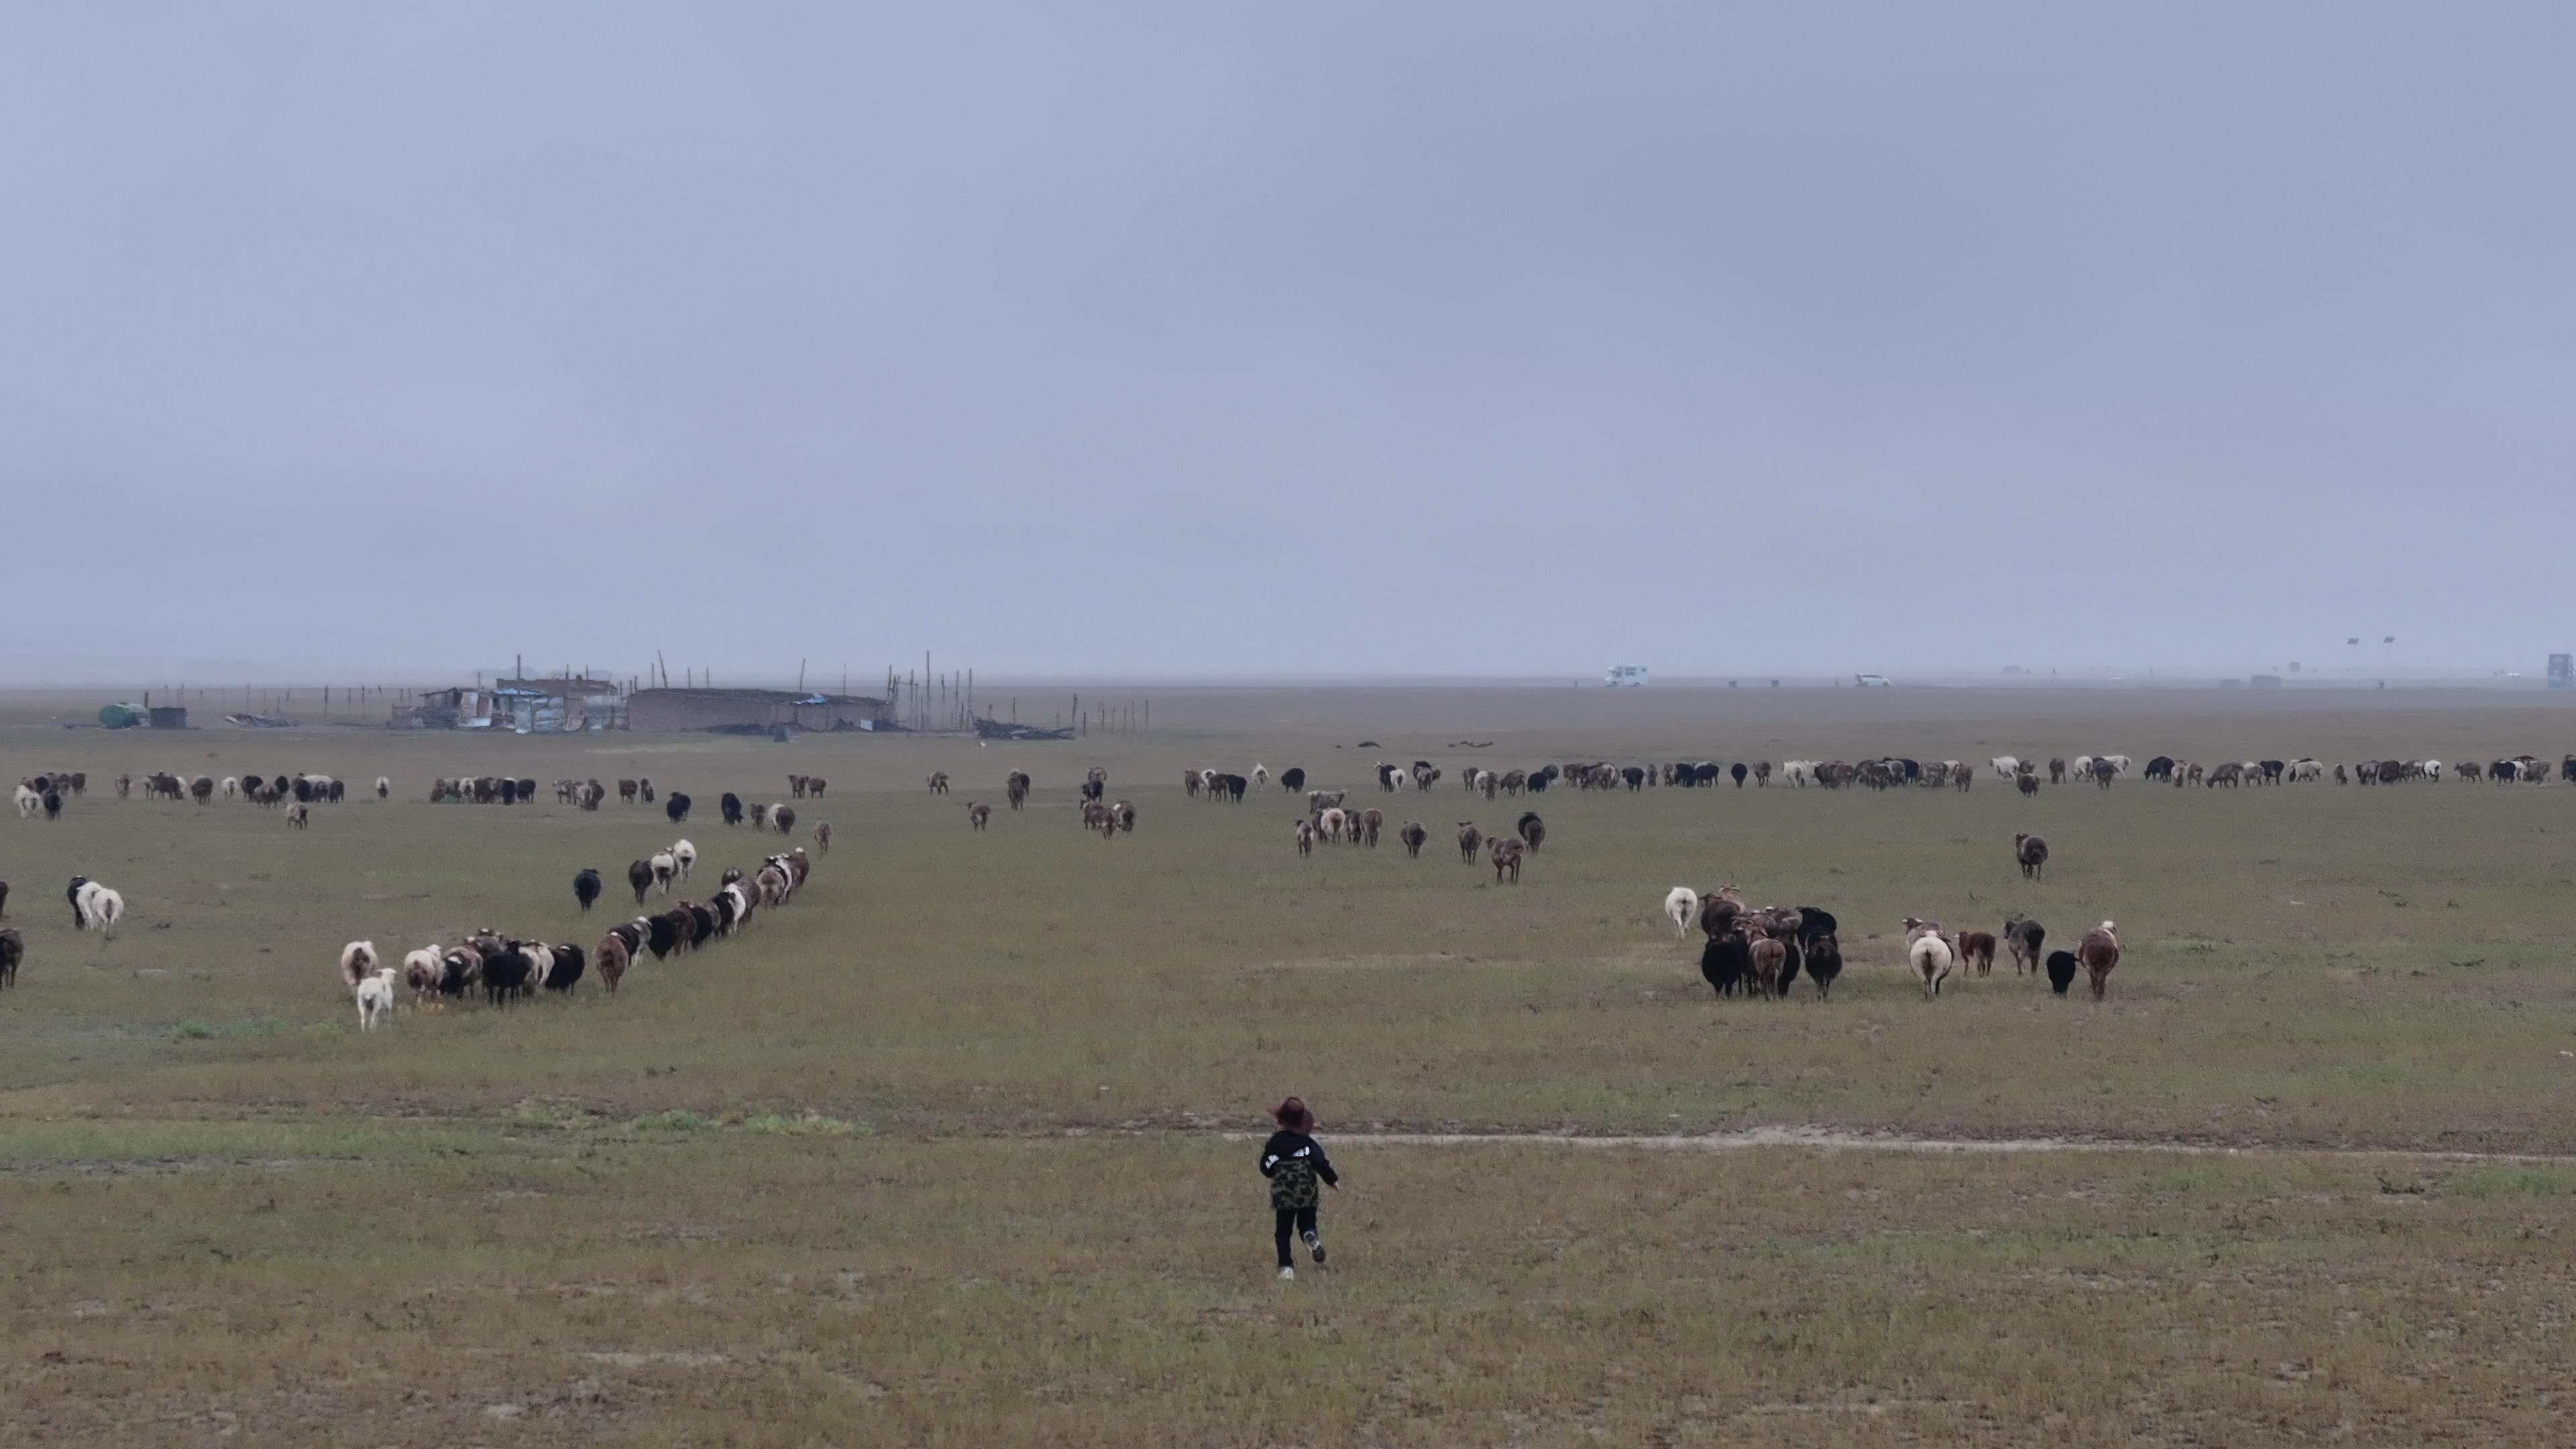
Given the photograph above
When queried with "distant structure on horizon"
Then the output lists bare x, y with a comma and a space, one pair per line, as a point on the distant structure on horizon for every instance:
1625, 676
2562, 671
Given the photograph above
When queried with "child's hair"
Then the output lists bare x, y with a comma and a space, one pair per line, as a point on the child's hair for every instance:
1293, 1116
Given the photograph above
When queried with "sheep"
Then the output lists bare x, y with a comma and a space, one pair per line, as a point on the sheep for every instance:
685, 856
2057, 770
1761, 775
939, 782
760, 816
1329, 824
2005, 766
297, 814
614, 956
461, 970
1977, 948
505, 975
978, 813
105, 908
28, 801
201, 789
2103, 770
585, 887
384, 787
2022, 938
53, 805
1305, 837
823, 836
676, 809
1371, 822
1015, 789
2099, 951
644, 786
662, 933
640, 876
4, 898
783, 818
1470, 840
1681, 906
1724, 961
358, 961
666, 868
231, 788
730, 806
1532, 830
1928, 953
2032, 853
1292, 779
814, 786
375, 998
2061, 971
1798, 772
566, 972
1764, 959
13, 950
422, 970
1506, 851
1824, 962
1412, 835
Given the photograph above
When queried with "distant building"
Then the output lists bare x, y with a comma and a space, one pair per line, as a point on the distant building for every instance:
2562, 671
665, 710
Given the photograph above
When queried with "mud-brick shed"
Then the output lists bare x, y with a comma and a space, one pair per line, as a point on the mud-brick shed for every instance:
665, 710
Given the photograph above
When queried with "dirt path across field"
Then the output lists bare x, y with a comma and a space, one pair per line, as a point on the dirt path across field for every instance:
1832, 1140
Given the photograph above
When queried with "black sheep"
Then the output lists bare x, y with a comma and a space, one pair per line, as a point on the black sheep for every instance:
1292, 780
1824, 962
640, 876
1724, 961
284, 785
1739, 772
723, 902
731, 808
506, 975
304, 792
569, 963
53, 804
1790, 964
660, 935
1815, 922
585, 887
677, 807
509, 792
2061, 971
1538, 779
631, 933
71, 893
13, 949
706, 924
337, 791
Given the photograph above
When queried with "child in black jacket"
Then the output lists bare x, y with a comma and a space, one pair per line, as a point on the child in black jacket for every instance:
1294, 1163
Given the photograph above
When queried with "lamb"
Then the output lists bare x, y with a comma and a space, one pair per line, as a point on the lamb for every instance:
2061, 971
2032, 852
640, 876
375, 999
2099, 951
1977, 948
1413, 835
357, 962
1928, 954
1681, 903
231, 788
585, 888
760, 816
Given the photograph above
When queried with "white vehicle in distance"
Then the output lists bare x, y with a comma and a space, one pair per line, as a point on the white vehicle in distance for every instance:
1872, 681
1625, 676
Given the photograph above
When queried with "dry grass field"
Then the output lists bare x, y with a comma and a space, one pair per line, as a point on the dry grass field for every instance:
940, 1154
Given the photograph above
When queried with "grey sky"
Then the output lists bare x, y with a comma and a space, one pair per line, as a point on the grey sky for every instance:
1489, 337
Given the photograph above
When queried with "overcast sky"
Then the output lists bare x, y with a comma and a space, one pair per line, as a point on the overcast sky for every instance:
1483, 337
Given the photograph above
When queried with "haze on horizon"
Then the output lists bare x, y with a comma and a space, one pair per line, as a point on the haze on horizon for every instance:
1480, 339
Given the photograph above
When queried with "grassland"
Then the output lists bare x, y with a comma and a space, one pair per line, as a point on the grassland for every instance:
935, 1154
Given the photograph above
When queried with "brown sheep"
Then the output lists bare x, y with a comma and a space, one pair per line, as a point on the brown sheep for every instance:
1190, 783
2099, 951
1961, 776
1977, 948
978, 813
1767, 957
1532, 830
1371, 822
202, 788
2057, 771
2032, 852
783, 818
1413, 835
823, 836
796, 787
939, 782
626, 792
1470, 840
814, 786
1506, 850
612, 958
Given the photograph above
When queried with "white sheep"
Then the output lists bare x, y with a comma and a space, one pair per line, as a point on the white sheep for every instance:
101, 909
665, 866
1261, 774
231, 787
384, 787
2005, 766
358, 961
1799, 772
1928, 953
685, 856
422, 970
1682, 904
375, 998
29, 802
